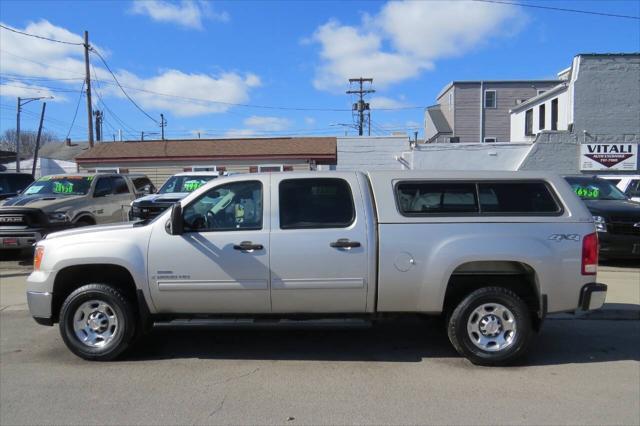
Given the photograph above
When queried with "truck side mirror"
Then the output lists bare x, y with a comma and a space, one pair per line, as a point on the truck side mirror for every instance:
176, 221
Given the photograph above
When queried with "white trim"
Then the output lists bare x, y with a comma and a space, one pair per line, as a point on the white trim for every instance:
495, 99
107, 170
204, 168
270, 165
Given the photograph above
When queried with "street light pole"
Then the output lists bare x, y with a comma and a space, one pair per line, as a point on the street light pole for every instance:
21, 102
18, 138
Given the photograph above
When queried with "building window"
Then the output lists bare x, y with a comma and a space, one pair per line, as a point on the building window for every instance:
541, 116
454, 139
554, 114
107, 170
489, 98
490, 140
528, 123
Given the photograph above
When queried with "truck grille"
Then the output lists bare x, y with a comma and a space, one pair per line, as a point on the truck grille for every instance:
21, 218
624, 225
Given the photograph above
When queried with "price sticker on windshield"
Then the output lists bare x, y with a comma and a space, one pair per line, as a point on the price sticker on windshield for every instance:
192, 185
63, 187
588, 192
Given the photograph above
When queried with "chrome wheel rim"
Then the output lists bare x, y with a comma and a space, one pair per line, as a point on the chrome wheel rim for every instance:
95, 323
492, 327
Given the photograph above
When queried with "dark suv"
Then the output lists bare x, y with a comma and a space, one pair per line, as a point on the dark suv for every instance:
11, 184
617, 218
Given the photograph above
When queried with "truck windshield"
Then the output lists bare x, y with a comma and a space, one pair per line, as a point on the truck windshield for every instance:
184, 183
60, 185
595, 189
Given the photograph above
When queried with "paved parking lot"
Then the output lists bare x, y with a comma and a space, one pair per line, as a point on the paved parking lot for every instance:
581, 371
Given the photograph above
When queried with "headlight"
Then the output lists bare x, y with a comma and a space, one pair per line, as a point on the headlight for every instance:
58, 217
601, 224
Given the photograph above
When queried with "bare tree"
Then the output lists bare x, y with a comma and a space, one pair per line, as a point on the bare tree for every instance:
27, 141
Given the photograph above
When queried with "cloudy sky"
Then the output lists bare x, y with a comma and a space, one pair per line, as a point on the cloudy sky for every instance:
235, 68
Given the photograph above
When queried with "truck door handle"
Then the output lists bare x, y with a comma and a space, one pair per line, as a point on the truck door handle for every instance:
344, 243
247, 246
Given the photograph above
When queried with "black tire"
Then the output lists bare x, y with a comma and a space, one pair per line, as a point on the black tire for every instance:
121, 307
84, 222
462, 342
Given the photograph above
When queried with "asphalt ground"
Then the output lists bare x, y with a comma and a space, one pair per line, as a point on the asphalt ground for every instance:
580, 370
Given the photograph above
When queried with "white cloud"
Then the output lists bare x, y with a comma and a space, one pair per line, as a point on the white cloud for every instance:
16, 89
188, 14
257, 125
30, 60
309, 121
383, 102
271, 124
227, 88
405, 38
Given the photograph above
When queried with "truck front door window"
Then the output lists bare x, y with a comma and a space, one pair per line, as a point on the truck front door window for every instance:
231, 207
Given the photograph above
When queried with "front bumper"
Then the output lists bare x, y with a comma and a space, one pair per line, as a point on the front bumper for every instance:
40, 306
11, 240
592, 296
619, 246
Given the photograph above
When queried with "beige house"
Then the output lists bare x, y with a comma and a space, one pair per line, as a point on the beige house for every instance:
161, 159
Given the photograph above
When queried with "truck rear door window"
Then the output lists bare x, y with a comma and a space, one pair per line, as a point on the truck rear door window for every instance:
316, 203
424, 198
517, 198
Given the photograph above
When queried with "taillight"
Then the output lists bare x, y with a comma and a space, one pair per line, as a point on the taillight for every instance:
37, 258
590, 254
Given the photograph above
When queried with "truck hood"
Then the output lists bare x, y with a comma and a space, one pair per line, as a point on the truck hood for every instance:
90, 230
613, 207
163, 198
43, 202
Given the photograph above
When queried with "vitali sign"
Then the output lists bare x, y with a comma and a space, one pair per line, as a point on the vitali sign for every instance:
609, 156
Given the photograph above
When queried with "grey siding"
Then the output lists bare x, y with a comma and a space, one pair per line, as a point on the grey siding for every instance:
468, 101
447, 110
607, 98
467, 113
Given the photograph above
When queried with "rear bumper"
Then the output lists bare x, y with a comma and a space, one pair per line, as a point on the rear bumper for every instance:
619, 246
592, 296
40, 306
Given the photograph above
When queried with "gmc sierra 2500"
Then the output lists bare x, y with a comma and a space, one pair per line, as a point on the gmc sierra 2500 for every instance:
493, 252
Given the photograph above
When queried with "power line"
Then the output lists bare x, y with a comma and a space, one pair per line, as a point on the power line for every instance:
120, 86
48, 66
561, 9
40, 88
125, 127
75, 114
36, 78
40, 37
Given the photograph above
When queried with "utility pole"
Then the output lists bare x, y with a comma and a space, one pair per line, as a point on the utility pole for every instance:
88, 83
35, 153
142, 136
99, 116
163, 123
361, 107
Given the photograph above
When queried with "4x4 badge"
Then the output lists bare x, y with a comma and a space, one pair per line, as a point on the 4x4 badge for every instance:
560, 237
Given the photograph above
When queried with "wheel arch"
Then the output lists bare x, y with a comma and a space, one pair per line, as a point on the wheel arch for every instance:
70, 278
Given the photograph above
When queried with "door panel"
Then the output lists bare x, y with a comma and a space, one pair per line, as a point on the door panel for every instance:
210, 268
308, 274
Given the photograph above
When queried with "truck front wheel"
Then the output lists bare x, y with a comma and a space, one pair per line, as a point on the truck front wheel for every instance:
491, 326
97, 322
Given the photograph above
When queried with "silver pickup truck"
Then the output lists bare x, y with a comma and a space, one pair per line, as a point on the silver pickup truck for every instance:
493, 252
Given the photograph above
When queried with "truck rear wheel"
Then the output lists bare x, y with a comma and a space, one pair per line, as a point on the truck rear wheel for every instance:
491, 326
97, 322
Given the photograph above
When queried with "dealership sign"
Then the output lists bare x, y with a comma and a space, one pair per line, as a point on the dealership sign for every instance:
609, 156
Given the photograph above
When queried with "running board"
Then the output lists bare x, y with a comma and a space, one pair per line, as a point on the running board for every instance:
267, 323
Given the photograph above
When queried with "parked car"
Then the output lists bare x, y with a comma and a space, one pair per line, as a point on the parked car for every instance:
174, 189
629, 184
57, 202
617, 218
142, 184
493, 252
11, 184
